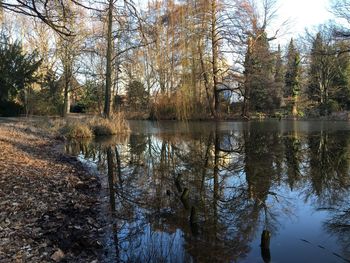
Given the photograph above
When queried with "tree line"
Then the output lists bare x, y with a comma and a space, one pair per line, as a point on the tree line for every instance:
188, 59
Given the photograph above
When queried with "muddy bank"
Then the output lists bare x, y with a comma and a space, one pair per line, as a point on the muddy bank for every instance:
49, 203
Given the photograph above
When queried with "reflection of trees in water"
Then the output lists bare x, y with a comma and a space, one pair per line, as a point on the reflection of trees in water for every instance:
339, 224
263, 171
212, 193
330, 181
329, 166
293, 158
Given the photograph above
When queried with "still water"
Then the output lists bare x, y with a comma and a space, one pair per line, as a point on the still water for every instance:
227, 192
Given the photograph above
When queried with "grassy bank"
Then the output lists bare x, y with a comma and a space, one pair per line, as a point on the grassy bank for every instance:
75, 126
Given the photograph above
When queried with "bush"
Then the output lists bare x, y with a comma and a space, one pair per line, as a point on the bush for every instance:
78, 108
76, 131
10, 109
333, 106
329, 107
301, 114
44, 102
163, 109
103, 127
98, 126
115, 125
278, 115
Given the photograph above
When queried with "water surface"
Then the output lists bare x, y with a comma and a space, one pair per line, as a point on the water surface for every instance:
227, 192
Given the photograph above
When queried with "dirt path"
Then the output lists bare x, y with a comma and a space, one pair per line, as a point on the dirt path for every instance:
49, 210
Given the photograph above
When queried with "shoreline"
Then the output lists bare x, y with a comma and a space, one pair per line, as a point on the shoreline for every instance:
78, 116
50, 208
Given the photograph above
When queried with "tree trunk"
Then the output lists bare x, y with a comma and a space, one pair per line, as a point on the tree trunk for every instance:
67, 78
215, 54
66, 106
206, 80
107, 108
246, 104
295, 107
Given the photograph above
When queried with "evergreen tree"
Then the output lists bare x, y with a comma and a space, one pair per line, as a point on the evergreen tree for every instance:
137, 95
259, 73
17, 70
314, 87
278, 86
292, 76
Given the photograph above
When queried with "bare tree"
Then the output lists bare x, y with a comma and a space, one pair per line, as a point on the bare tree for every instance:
341, 9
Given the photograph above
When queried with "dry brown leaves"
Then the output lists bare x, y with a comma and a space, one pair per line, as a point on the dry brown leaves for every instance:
48, 202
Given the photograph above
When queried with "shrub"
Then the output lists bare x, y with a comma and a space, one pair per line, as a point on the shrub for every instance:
333, 106
78, 108
137, 95
10, 109
301, 114
76, 130
116, 124
278, 115
329, 107
163, 108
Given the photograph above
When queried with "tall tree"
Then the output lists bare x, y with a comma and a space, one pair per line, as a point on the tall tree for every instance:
292, 77
215, 37
252, 22
109, 39
328, 72
69, 48
278, 85
323, 68
341, 81
260, 68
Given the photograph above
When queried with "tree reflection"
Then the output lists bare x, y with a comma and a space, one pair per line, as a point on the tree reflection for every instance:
329, 166
204, 197
330, 182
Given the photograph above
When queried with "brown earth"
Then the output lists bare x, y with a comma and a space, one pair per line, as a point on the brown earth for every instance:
49, 208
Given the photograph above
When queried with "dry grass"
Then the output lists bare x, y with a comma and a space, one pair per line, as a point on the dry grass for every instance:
114, 125
75, 127
163, 108
76, 130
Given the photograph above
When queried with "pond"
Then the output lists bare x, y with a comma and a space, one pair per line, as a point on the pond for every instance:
227, 192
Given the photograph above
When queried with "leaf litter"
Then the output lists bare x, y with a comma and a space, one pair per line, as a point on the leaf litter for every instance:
49, 207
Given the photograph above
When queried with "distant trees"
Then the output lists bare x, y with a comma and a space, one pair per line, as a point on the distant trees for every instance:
328, 75
191, 59
69, 47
